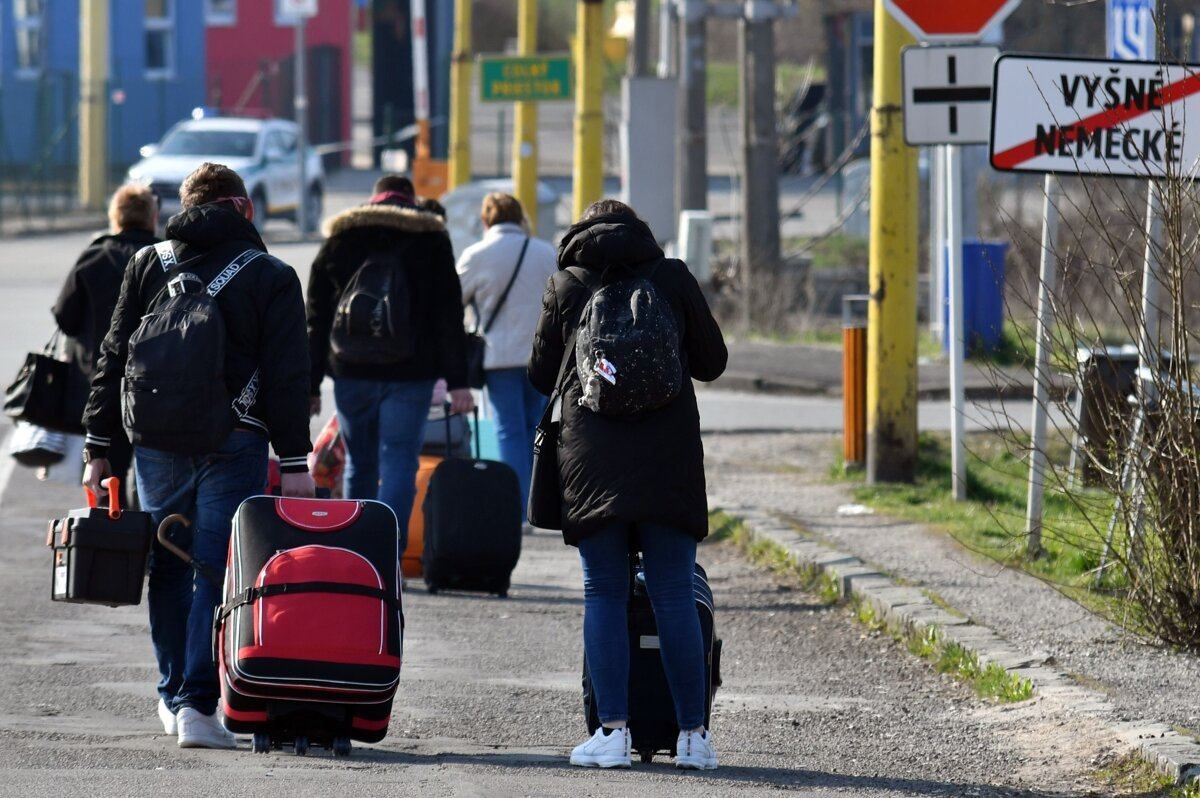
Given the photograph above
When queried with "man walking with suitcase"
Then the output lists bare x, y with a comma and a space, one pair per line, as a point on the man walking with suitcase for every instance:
385, 321
206, 362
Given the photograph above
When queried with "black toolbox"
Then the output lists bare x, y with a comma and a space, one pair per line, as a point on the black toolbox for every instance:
99, 553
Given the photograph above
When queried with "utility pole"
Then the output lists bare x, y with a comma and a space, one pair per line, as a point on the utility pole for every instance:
892, 320
93, 103
302, 124
760, 150
460, 97
589, 109
639, 54
693, 117
525, 134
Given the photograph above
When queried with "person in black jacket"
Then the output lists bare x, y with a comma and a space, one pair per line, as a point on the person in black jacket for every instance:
214, 248
636, 480
89, 296
382, 407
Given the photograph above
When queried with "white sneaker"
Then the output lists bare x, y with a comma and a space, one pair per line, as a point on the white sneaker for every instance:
167, 718
694, 751
197, 730
612, 750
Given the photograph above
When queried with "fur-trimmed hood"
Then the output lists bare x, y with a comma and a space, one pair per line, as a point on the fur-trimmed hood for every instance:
391, 217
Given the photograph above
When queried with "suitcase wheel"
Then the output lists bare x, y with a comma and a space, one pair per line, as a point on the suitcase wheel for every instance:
341, 746
261, 744
646, 756
300, 744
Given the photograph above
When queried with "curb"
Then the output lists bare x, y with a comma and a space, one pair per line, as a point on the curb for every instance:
1174, 755
32, 227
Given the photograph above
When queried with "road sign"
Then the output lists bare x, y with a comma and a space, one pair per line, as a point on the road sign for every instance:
533, 79
1094, 117
1131, 32
948, 94
298, 9
939, 20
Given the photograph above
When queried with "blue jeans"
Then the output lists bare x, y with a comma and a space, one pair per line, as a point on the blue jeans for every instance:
518, 408
382, 423
208, 491
670, 559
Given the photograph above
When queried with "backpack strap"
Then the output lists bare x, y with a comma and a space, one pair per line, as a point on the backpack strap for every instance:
166, 255
229, 272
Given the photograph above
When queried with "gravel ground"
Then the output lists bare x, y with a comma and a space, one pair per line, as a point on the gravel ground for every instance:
489, 700
788, 474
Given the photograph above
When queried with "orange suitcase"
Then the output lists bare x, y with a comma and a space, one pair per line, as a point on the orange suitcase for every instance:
410, 563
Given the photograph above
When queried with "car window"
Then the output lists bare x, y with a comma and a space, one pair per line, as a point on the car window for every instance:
236, 143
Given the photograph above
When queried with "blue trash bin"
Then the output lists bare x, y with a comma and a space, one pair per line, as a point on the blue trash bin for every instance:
983, 296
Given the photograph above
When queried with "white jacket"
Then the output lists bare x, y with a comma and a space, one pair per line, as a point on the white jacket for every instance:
485, 269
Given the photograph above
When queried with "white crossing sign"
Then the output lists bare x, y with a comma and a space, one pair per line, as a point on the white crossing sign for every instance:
1095, 117
948, 94
1132, 35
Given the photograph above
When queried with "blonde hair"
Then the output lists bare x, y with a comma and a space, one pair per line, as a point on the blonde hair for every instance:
499, 208
132, 207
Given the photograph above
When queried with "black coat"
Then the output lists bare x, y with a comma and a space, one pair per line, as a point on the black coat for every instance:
428, 257
649, 468
86, 303
263, 311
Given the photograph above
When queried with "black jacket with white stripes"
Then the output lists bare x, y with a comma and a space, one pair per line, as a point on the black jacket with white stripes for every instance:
263, 310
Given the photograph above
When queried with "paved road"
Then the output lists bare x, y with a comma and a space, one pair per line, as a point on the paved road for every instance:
489, 700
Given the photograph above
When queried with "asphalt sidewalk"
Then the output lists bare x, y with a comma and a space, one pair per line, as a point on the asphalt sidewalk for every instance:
817, 369
786, 476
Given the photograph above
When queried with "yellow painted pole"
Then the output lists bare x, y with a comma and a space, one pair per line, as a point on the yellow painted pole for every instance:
589, 108
460, 97
892, 321
525, 135
93, 103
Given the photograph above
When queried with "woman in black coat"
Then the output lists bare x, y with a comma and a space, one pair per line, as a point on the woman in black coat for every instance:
633, 480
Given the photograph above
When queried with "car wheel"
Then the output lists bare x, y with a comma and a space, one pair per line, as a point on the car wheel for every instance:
259, 198
313, 204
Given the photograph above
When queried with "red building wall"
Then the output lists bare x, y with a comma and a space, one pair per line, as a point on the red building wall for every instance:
249, 65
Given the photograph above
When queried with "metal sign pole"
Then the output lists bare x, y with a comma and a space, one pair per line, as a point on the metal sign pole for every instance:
937, 261
957, 338
302, 125
1047, 279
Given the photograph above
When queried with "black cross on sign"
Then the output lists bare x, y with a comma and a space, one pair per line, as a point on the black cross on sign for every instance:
952, 93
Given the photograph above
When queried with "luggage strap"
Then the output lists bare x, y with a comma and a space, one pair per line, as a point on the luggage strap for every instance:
253, 594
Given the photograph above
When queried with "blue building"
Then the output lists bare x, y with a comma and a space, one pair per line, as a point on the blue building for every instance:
156, 77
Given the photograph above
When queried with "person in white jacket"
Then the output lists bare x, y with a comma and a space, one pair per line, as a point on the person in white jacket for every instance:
508, 254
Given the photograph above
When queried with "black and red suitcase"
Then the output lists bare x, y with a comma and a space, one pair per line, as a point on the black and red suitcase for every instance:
310, 635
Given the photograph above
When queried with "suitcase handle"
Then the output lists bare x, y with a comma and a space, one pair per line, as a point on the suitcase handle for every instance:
446, 416
113, 486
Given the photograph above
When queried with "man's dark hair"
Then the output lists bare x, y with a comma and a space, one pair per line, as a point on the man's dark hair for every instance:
397, 183
608, 207
209, 183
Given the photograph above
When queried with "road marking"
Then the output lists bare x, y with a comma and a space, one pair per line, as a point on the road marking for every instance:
7, 465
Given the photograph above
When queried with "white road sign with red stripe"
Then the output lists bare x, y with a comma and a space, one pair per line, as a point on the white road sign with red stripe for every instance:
1095, 117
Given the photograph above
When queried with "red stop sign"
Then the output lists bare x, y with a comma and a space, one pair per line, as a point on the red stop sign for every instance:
939, 20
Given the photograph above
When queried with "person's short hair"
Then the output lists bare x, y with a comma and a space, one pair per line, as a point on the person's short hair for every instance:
431, 205
209, 183
396, 183
499, 208
133, 207
607, 207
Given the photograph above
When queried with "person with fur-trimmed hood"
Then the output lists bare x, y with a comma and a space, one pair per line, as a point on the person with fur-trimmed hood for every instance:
385, 322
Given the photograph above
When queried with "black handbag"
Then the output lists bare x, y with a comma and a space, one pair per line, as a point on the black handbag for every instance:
545, 488
39, 393
477, 339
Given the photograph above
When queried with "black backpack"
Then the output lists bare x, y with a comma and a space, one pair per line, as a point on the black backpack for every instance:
627, 348
174, 396
373, 323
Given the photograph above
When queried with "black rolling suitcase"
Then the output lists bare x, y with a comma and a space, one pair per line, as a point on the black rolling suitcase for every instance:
651, 710
473, 519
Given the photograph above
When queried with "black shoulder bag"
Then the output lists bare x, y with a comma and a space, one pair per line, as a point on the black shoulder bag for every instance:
38, 395
545, 488
477, 339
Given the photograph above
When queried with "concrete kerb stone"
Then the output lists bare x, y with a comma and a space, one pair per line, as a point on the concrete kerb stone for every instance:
1170, 753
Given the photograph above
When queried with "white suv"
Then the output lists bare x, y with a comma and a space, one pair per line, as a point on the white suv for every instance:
262, 151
